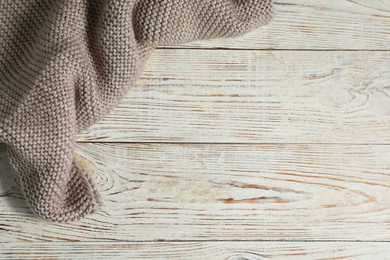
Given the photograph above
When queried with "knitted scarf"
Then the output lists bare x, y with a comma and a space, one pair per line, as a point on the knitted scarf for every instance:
65, 64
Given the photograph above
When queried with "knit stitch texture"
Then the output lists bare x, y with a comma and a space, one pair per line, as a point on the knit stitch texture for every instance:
64, 64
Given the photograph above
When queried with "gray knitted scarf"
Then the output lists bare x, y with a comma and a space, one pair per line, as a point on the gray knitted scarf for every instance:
65, 64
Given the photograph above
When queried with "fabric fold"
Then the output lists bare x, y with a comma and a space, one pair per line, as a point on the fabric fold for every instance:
167, 22
65, 64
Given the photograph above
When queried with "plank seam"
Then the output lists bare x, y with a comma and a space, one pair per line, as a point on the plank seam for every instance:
225, 143
206, 241
267, 49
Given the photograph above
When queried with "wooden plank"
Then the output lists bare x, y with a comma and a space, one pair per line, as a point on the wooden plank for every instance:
313, 24
255, 97
197, 250
221, 192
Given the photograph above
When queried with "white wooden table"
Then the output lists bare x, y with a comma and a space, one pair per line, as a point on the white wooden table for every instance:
273, 145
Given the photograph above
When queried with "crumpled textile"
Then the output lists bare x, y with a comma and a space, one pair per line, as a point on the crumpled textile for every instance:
65, 64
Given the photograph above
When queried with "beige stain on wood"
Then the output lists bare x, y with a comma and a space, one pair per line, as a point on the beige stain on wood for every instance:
255, 97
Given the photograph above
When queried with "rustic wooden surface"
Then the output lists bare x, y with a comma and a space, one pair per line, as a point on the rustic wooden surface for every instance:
274, 145
251, 96
200, 250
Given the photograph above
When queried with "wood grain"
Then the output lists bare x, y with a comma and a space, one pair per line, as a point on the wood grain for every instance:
197, 250
270, 151
254, 97
221, 192
317, 25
